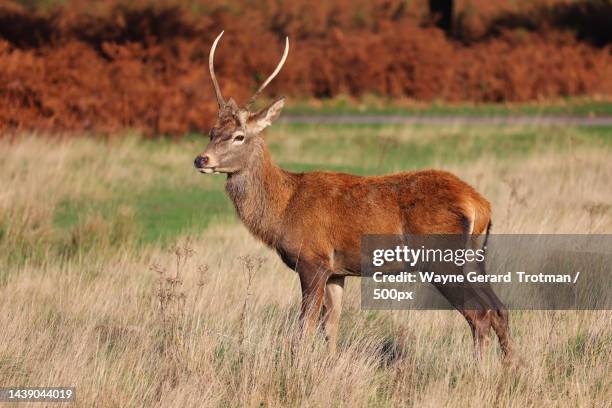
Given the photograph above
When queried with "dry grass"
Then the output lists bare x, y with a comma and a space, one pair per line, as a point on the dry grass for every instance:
179, 336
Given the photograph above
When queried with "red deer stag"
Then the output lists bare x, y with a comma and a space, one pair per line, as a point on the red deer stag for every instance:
315, 220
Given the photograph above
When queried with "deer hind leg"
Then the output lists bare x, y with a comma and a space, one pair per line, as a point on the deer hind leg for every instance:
500, 322
480, 324
501, 325
500, 319
473, 305
334, 289
470, 303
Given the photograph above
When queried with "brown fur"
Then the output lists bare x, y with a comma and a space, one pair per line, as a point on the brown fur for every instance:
319, 212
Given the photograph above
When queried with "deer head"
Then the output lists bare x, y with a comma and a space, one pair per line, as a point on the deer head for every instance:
236, 134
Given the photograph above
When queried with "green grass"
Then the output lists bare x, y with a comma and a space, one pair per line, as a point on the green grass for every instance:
160, 213
378, 149
380, 106
172, 206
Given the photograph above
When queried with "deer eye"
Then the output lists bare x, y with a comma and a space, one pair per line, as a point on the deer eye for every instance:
238, 137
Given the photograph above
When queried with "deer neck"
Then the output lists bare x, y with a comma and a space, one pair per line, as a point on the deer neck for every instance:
261, 192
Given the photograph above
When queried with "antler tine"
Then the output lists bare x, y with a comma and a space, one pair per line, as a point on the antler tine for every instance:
271, 77
211, 68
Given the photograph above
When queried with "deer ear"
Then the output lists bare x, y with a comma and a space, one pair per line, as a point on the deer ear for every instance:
264, 118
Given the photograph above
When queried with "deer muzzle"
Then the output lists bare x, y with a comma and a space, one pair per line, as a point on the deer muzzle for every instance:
205, 164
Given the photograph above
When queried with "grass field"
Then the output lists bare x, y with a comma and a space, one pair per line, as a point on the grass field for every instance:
372, 104
123, 272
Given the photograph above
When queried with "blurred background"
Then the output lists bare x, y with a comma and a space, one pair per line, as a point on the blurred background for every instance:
107, 66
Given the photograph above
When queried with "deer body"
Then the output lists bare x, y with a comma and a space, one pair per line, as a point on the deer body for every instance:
315, 221
321, 216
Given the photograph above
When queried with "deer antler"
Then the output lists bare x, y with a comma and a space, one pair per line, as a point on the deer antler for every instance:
271, 77
211, 58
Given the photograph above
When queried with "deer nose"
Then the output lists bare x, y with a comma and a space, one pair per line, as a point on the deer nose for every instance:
201, 161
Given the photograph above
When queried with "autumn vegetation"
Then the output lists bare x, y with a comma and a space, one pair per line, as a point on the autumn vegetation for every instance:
101, 67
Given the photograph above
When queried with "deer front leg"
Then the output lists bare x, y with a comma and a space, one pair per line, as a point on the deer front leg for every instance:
334, 289
312, 281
